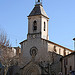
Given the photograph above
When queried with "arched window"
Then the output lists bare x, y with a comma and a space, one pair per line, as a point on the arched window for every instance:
34, 25
64, 52
44, 26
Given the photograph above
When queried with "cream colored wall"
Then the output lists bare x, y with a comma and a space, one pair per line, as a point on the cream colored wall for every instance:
40, 25
44, 33
68, 52
51, 48
14, 51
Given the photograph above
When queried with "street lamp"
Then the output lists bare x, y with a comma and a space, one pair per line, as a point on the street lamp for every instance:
74, 43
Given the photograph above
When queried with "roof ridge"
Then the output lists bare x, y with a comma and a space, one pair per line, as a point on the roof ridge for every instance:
38, 10
57, 44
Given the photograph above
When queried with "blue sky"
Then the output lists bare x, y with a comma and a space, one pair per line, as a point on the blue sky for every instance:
13, 20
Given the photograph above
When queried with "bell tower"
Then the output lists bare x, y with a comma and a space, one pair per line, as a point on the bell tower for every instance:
38, 22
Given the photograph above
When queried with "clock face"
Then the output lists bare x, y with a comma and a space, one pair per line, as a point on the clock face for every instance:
33, 36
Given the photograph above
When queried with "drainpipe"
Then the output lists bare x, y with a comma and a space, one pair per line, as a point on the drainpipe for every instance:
74, 43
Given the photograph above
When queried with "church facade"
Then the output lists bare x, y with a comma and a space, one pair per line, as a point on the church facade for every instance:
39, 55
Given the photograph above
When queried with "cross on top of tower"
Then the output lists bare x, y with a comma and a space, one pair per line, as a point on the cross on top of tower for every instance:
38, 1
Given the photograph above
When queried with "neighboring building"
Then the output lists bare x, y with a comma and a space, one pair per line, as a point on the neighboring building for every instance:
18, 50
14, 51
68, 64
9, 53
39, 55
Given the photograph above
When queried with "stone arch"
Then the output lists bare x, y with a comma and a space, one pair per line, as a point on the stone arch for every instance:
33, 70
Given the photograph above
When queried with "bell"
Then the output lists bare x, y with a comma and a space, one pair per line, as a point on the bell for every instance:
38, 0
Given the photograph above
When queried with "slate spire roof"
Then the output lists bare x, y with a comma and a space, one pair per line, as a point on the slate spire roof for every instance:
38, 10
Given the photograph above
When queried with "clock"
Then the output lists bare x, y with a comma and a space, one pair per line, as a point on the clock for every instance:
33, 36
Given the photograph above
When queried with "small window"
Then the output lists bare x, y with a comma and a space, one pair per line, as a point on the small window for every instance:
67, 52
65, 71
54, 48
65, 62
59, 51
44, 26
35, 25
21, 46
70, 68
64, 52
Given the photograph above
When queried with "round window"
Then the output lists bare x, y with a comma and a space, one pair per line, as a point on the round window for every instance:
33, 51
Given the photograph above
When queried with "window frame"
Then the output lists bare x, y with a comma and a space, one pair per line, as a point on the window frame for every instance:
44, 26
34, 25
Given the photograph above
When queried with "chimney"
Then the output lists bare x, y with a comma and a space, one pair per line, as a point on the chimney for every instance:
74, 43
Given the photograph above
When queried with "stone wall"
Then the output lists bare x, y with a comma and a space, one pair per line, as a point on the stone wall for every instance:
68, 63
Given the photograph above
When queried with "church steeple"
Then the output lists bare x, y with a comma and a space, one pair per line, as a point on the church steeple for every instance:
38, 10
38, 22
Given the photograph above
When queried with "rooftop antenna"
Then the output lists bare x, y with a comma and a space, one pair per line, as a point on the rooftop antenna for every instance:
74, 43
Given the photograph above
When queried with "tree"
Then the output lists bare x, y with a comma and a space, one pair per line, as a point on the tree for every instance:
3, 39
5, 50
4, 46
